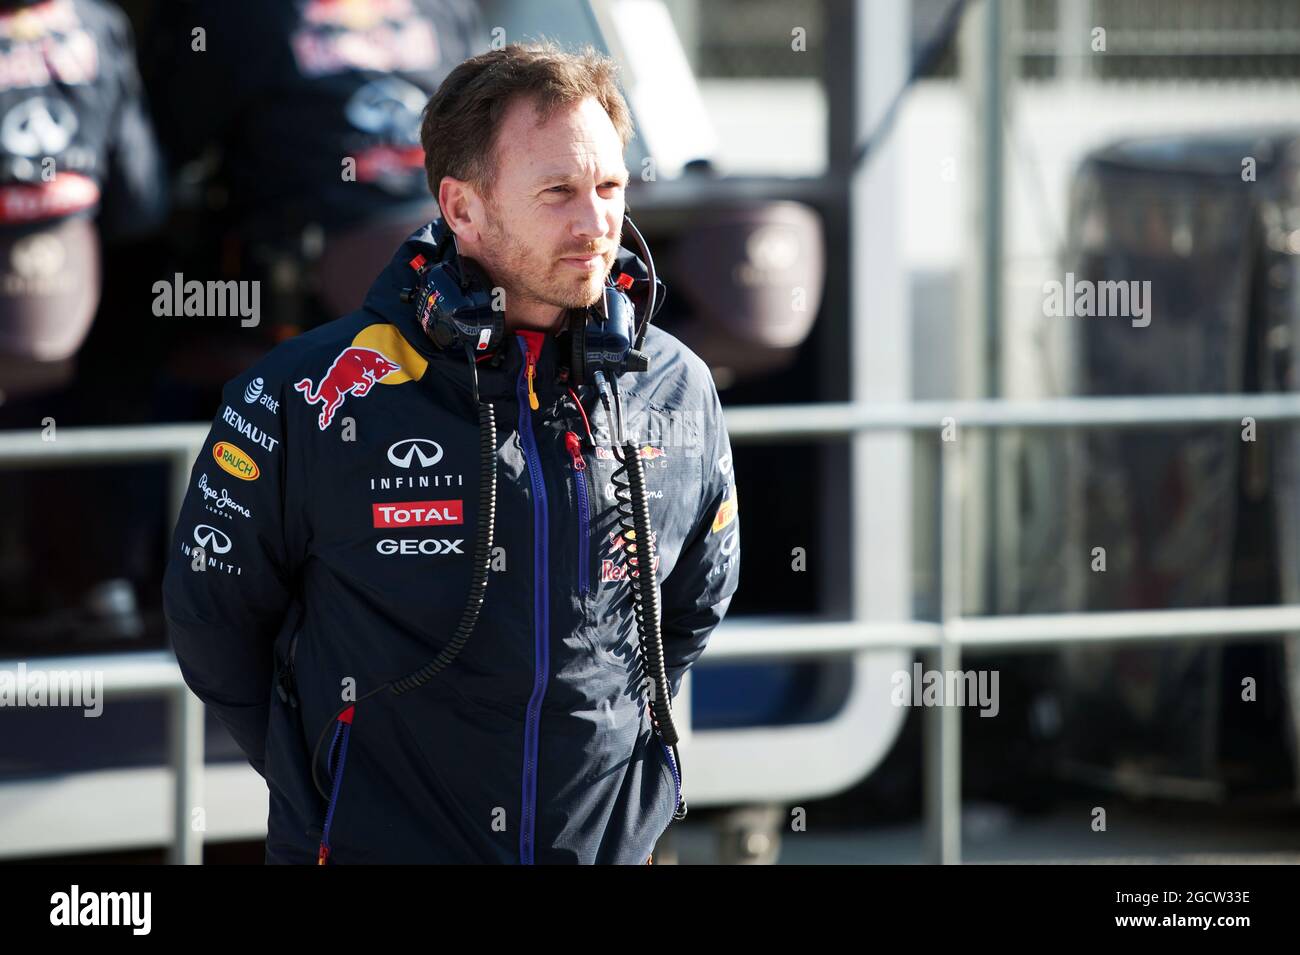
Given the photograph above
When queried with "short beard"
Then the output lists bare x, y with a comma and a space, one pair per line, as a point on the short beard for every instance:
512, 269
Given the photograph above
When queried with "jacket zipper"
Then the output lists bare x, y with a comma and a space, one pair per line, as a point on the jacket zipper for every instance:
339, 746
574, 444
672, 766
541, 609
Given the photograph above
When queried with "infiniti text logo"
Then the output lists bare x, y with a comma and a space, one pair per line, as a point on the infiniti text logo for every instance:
401, 453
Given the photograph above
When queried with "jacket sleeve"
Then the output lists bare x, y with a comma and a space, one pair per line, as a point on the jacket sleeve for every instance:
226, 589
696, 595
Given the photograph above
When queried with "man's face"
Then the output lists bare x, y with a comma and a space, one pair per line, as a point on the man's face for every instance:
555, 217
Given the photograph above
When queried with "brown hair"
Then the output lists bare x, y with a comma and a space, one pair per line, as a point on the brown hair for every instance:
461, 119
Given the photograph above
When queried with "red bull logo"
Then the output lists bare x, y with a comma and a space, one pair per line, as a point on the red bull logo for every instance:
613, 571
354, 372
646, 452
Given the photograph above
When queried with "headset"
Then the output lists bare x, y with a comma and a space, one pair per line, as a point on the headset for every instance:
459, 310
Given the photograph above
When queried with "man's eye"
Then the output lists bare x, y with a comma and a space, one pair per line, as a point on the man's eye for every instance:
560, 188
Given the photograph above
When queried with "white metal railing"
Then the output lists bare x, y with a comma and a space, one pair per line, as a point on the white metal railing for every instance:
944, 639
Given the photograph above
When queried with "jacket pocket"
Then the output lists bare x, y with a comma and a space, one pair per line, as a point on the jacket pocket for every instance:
296, 807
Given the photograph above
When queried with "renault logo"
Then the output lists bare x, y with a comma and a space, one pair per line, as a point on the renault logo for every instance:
429, 452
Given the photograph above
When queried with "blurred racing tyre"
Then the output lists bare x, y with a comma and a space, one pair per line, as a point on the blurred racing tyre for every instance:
752, 276
49, 291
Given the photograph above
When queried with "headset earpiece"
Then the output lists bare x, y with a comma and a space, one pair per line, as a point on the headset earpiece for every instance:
605, 339
453, 302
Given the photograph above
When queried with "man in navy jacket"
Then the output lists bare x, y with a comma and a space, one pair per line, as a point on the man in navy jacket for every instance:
324, 547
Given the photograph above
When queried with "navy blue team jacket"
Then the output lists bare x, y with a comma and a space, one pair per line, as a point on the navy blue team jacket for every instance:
324, 549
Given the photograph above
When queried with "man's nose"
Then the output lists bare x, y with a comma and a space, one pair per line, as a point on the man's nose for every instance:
595, 218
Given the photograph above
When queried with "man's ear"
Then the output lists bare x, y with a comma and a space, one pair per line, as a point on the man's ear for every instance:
461, 207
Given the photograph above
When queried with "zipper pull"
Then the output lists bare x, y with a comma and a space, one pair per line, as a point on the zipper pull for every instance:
532, 371
574, 444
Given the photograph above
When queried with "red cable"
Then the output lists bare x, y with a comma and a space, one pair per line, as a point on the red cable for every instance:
582, 411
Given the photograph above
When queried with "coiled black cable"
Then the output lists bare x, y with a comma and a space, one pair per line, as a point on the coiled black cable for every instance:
633, 515
634, 520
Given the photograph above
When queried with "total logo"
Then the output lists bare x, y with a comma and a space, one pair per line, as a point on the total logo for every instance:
612, 569
415, 455
214, 544
418, 513
410, 548
254, 395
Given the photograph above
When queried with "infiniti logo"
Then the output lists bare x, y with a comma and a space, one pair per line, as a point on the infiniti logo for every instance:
253, 391
405, 450
38, 127
728, 544
207, 536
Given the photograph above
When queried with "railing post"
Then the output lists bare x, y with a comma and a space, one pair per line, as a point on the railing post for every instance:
187, 760
942, 724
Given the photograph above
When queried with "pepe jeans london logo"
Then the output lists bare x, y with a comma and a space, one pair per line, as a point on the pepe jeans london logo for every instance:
219, 501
